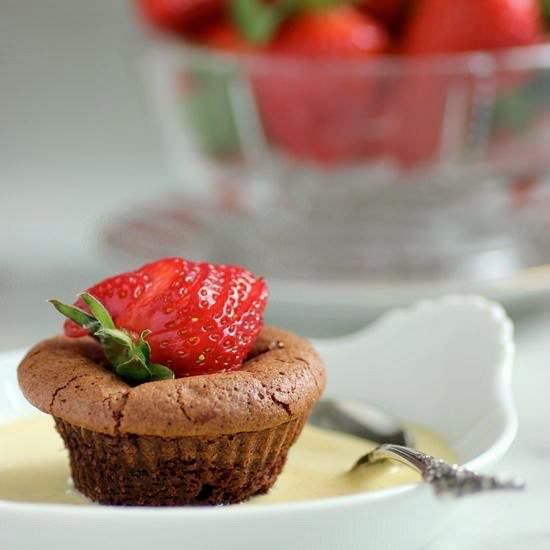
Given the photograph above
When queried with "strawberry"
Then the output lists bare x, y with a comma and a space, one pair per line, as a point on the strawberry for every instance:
444, 26
326, 113
179, 16
423, 99
337, 33
196, 317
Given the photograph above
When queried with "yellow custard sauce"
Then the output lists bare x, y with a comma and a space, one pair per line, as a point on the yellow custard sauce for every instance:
34, 465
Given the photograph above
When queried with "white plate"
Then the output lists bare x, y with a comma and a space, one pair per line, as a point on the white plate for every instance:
444, 363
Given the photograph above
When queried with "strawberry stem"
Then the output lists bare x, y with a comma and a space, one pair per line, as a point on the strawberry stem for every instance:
129, 359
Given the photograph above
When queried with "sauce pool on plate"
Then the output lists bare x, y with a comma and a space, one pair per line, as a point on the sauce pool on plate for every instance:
34, 466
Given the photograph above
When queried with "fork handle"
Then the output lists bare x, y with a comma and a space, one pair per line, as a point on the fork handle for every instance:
445, 478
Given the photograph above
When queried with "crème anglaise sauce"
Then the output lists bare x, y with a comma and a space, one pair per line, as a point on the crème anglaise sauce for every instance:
34, 465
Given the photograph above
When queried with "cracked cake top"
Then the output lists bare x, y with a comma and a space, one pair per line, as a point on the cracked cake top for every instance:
281, 377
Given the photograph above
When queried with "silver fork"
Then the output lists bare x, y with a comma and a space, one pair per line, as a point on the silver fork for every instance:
446, 479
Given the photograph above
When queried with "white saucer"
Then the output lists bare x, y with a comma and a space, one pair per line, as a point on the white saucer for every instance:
208, 227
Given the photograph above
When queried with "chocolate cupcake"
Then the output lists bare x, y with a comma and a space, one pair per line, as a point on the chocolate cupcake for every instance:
207, 439
167, 390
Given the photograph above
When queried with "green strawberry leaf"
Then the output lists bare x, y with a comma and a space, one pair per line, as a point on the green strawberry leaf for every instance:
512, 113
117, 345
77, 315
134, 372
117, 336
208, 109
144, 347
160, 372
98, 310
516, 110
256, 20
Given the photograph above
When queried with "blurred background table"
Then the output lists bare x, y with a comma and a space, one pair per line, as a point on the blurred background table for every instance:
77, 142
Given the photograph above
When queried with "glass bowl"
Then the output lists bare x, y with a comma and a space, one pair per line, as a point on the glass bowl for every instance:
390, 169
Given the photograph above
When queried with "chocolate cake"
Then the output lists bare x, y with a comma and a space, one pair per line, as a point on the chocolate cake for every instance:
208, 439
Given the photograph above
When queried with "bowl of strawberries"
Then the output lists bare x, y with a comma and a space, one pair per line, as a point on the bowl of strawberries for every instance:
379, 139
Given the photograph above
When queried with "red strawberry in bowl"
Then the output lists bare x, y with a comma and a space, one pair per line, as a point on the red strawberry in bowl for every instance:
425, 97
336, 33
327, 107
191, 317
444, 26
